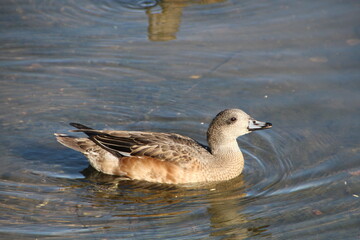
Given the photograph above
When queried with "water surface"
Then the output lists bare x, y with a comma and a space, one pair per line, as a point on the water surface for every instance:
170, 66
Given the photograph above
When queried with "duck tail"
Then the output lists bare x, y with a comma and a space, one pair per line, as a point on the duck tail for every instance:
74, 143
80, 126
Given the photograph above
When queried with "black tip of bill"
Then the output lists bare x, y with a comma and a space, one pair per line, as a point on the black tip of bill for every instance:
258, 125
268, 125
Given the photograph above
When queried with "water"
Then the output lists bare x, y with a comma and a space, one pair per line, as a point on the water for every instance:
171, 66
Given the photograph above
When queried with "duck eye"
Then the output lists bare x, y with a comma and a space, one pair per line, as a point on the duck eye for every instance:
233, 119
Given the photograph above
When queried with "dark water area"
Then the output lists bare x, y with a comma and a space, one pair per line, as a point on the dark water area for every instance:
170, 66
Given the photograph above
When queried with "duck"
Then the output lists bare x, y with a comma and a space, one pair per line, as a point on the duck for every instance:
168, 158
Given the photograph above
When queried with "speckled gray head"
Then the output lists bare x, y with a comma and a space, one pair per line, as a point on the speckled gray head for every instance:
234, 123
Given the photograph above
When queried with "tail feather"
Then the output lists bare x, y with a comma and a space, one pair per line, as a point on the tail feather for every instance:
79, 126
77, 144
82, 144
84, 129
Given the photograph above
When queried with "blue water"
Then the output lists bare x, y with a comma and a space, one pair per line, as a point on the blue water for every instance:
170, 66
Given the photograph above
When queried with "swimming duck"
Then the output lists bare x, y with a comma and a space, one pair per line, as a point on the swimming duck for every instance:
168, 157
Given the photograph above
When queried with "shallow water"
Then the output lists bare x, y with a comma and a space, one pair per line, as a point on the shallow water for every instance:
171, 66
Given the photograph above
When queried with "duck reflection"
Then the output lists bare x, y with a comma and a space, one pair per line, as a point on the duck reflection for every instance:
165, 22
218, 205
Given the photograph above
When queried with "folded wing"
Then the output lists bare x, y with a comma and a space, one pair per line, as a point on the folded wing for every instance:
163, 146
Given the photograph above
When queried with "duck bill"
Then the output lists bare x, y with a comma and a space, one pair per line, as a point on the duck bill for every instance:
258, 125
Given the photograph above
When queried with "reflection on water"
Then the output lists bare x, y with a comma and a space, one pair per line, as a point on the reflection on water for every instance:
101, 63
164, 17
164, 23
221, 201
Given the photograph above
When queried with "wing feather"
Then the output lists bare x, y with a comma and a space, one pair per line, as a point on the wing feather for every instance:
163, 146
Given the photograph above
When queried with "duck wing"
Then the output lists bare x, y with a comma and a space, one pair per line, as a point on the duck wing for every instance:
169, 147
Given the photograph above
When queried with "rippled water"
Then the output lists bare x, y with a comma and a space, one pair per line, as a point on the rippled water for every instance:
171, 66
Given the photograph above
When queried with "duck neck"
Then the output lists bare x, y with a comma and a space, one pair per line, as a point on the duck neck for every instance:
220, 143
226, 153
226, 150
